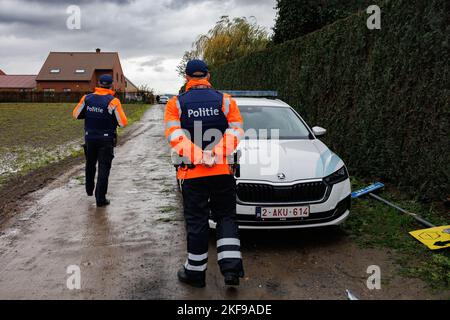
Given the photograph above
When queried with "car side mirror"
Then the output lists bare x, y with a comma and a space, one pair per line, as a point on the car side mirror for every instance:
319, 131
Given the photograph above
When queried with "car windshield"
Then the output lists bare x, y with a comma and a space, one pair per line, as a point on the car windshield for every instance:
260, 123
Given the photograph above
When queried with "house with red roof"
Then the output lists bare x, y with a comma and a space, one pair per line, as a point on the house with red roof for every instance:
79, 71
16, 82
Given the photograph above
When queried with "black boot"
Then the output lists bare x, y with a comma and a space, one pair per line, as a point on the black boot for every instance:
183, 277
103, 203
90, 190
231, 279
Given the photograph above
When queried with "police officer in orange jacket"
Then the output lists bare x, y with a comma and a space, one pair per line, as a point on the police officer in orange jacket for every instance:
204, 126
102, 114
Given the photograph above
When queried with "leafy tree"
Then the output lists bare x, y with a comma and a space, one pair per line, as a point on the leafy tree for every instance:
228, 40
296, 18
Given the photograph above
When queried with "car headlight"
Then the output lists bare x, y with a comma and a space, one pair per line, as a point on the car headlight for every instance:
337, 176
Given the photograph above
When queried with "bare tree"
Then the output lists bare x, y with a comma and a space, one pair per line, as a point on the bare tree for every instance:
146, 93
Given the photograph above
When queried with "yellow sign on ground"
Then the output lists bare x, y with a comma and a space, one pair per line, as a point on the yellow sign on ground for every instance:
434, 238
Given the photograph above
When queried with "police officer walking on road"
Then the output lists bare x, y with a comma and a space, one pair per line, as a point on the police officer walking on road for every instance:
204, 126
103, 113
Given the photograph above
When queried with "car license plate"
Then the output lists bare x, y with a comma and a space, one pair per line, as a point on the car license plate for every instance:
282, 212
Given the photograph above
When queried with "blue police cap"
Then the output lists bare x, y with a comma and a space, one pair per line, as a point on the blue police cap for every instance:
106, 80
196, 68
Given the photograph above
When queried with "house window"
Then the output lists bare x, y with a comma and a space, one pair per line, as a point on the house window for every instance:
49, 92
55, 70
79, 71
121, 77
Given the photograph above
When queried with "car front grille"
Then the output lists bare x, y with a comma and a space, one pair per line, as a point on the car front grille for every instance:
265, 193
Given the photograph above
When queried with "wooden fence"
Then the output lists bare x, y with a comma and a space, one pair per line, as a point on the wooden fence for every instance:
66, 97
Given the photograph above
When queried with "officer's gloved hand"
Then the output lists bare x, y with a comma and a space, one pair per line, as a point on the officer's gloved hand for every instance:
209, 159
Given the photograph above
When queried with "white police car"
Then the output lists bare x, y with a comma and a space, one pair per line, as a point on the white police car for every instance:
288, 177
163, 99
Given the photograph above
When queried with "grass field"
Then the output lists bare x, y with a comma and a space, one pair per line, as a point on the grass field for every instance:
374, 224
33, 135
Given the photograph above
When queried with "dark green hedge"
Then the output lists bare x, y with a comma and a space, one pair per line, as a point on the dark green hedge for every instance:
382, 94
299, 17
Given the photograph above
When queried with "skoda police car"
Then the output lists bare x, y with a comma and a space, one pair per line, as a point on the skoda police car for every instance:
288, 178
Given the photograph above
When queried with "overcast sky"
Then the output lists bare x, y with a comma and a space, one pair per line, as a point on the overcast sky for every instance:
150, 35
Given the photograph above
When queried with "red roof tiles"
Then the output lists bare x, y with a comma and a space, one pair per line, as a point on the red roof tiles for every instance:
17, 81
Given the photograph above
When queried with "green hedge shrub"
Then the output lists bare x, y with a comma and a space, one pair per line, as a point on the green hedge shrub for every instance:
297, 18
382, 94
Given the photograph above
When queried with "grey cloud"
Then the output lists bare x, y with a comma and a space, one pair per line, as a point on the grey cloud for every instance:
154, 62
159, 69
148, 32
179, 4
32, 15
78, 2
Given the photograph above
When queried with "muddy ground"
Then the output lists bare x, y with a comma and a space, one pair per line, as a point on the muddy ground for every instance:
133, 248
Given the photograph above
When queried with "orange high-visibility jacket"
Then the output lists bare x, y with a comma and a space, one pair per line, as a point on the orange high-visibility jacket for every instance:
114, 106
180, 142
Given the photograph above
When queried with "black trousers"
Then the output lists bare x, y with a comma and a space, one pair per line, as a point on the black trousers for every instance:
215, 195
101, 152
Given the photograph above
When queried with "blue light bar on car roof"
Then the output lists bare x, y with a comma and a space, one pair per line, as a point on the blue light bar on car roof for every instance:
251, 94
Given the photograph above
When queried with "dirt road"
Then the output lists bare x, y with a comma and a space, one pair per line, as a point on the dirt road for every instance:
133, 248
